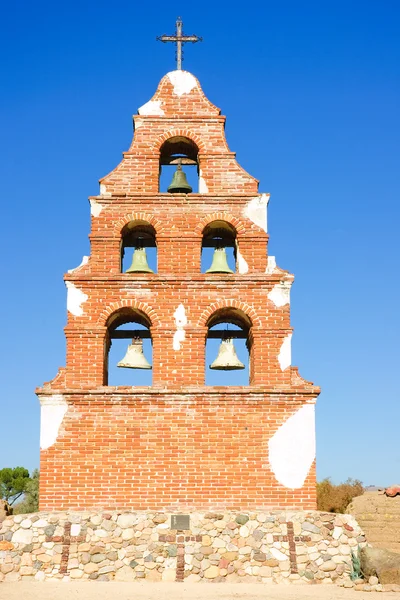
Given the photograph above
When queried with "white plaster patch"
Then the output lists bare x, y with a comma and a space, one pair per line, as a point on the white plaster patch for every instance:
83, 262
151, 108
256, 211
285, 353
243, 267
203, 189
182, 81
53, 409
103, 190
75, 299
96, 207
271, 265
292, 448
280, 293
180, 322
75, 529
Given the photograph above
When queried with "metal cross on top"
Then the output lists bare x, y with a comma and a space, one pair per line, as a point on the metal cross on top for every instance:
179, 38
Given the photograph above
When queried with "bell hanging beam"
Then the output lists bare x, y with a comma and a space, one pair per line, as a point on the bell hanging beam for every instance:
139, 262
219, 262
134, 357
227, 359
179, 184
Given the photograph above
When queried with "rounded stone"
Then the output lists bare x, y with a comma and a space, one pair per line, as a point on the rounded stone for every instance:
193, 578
133, 564
26, 523
172, 550
49, 531
106, 569
7, 568
126, 520
128, 534
373, 580
160, 518
90, 568
328, 566
97, 558
22, 536
211, 572
242, 519
76, 573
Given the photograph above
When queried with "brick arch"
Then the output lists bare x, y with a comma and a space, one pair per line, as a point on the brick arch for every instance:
181, 133
129, 303
119, 225
220, 216
243, 306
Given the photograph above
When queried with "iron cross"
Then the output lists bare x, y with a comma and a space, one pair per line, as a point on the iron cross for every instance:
179, 38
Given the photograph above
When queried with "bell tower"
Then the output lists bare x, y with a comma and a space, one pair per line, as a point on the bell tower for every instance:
171, 270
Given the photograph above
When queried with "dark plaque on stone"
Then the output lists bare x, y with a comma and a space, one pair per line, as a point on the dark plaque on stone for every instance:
180, 522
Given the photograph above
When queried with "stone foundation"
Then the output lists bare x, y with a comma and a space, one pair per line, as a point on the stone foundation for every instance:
277, 546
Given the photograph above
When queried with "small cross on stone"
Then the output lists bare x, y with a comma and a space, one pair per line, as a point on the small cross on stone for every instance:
292, 539
179, 38
66, 541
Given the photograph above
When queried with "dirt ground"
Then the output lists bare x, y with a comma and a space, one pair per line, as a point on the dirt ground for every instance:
178, 591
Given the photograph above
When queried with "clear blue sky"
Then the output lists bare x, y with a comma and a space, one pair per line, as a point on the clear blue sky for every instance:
311, 91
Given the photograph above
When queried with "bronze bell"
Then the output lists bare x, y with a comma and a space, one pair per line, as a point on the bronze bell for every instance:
219, 262
179, 184
227, 359
134, 357
139, 262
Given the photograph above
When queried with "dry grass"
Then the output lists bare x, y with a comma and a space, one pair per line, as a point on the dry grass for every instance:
336, 498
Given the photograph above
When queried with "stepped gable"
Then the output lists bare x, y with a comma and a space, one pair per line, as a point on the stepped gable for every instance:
179, 109
180, 442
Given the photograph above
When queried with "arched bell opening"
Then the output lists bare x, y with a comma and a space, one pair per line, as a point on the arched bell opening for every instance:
138, 248
128, 349
179, 166
228, 348
218, 249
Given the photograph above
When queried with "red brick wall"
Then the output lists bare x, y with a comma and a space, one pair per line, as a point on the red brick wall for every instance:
179, 443
154, 451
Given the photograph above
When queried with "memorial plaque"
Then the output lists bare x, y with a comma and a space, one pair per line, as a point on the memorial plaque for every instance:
180, 522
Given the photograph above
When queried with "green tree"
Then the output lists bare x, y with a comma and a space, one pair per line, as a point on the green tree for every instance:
13, 483
30, 503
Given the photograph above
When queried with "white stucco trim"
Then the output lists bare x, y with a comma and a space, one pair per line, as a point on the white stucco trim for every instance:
242, 265
183, 82
280, 293
75, 299
203, 189
151, 108
52, 412
271, 265
256, 211
180, 322
292, 448
96, 207
83, 262
285, 353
